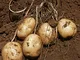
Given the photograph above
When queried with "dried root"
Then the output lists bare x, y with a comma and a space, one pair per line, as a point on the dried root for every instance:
36, 19
29, 9
55, 11
22, 9
55, 17
14, 36
15, 11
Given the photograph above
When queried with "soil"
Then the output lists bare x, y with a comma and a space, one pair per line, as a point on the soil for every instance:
63, 49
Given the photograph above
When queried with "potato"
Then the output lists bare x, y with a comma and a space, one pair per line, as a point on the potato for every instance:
26, 27
66, 28
47, 33
12, 51
32, 45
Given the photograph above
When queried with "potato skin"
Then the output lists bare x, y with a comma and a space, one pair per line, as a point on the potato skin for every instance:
66, 28
32, 45
47, 33
12, 51
26, 27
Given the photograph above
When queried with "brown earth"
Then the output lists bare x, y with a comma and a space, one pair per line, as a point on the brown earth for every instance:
62, 50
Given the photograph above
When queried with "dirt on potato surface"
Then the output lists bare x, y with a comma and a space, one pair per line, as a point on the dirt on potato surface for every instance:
63, 49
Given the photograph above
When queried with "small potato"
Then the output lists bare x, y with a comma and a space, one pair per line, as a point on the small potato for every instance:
47, 33
66, 28
32, 45
26, 27
12, 51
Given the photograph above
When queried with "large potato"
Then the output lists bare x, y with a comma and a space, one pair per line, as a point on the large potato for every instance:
47, 33
32, 45
12, 51
26, 27
66, 28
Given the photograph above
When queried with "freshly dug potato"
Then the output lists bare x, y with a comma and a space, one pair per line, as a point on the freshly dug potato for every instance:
12, 51
32, 45
47, 33
26, 27
66, 28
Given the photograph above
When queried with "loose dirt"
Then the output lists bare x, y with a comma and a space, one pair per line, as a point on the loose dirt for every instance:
63, 49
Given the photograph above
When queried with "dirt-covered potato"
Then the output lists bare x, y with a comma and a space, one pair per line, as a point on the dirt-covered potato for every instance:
47, 33
66, 28
32, 45
26, 27
12, 51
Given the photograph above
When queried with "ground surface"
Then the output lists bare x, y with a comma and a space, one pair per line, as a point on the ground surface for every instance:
62, 50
